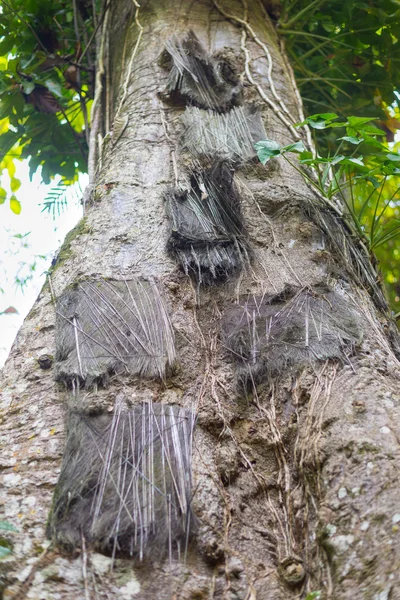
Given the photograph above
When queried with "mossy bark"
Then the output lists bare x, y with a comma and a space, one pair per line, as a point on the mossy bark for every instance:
295, 481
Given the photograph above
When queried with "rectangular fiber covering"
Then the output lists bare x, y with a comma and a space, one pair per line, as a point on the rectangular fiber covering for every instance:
125, 481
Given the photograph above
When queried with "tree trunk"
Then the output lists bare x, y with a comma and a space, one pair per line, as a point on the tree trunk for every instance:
201, 285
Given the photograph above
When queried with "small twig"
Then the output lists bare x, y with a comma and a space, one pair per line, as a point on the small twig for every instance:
78, 354
94, 15
168, 137
78, 75
94, 32
21, 593
84, 567
314, 5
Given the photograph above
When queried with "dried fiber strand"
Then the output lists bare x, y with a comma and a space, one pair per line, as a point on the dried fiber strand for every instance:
126, 481
341, 243
105, 327
230, 136
208, 235
199, 79
269, 336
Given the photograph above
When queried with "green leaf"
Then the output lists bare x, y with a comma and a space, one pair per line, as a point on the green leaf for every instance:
7, 141
386, 234
363, 129
313, 595
7, 44
15, 205
357, 121
354, 161
306, 155
374, 181
5, 526
54, 87
393, 157
373, 142
3, 195
337, 159
267, 149
326, 116
21, 236
318, 121
28, 86
297, 147
351, 139
389, 169
4, 551
371, 130
15, 184
329, 27
321, 124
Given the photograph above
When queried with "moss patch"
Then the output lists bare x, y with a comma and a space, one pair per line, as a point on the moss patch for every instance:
66, 252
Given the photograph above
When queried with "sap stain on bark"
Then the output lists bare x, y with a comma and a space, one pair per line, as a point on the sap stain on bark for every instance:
125, 481
106, 327
267, 336
230, 136
195, 78
208, 235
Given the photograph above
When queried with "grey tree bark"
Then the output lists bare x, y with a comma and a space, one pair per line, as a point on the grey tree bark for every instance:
296, 447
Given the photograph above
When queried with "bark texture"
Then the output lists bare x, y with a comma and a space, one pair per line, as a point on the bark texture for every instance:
296, 448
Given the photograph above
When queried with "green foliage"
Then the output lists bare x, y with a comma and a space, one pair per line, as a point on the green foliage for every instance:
25, 270
345, 56
56, 200
313, 596
5, 526
267, 149
15, 205
4, 551
367, 185
5, 546
46, 87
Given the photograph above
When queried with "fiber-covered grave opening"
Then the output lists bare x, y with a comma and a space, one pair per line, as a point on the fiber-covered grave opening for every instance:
267, 336
198, 79
230, 136
125, 481
105, 327
208, 236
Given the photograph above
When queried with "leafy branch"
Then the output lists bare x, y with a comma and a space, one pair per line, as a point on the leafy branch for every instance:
363, 188
46, 89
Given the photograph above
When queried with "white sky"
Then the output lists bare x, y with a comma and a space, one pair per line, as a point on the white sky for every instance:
45, 237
